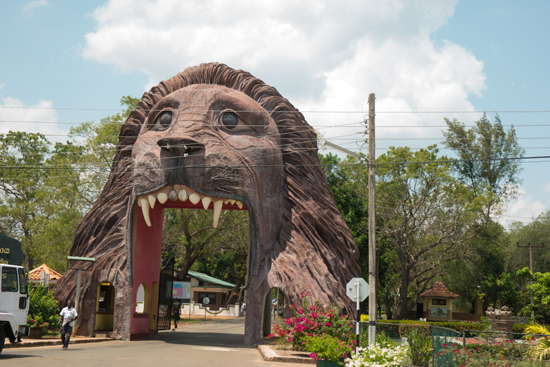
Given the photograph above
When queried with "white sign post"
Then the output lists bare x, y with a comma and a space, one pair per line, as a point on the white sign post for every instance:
205, 301
358, 289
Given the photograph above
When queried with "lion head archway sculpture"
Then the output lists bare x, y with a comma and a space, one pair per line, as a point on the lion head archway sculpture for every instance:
217, 138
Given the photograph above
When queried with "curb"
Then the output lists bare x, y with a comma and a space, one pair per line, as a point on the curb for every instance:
270, 355
45, 343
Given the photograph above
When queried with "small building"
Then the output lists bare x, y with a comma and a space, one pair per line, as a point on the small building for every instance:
217, 290
437, 303
43, 275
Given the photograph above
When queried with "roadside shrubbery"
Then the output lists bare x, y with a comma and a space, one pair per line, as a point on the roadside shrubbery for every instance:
311, 320
43, 310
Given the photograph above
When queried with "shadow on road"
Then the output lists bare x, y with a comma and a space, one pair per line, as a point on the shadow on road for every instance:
227, 333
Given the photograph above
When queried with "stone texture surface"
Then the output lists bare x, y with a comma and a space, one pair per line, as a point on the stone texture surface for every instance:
299, 240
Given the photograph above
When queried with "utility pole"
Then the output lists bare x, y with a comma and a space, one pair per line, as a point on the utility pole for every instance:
531, 267
372, 225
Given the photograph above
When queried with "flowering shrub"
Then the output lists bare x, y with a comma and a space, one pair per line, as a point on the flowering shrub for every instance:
310, 320
326, 347
37, 321
43, 309
377, 356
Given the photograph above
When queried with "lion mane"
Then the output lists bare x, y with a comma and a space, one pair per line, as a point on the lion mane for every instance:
315, 251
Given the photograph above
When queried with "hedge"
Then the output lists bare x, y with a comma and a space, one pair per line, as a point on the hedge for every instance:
454, 325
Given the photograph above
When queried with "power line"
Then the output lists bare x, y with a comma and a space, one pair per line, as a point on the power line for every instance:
290, 111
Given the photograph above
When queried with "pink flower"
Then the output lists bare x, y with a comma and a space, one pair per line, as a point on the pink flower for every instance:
328, 324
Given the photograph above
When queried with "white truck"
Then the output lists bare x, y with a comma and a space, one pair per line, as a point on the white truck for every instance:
14, 303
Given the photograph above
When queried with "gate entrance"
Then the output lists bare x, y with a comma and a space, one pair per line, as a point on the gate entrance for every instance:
164, 314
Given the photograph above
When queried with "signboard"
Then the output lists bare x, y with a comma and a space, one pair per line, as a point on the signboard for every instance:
351, 289
438, 311
181, 290
274, 301
206, 300
10, 251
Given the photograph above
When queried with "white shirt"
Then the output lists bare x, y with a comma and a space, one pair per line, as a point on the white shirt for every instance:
69, 314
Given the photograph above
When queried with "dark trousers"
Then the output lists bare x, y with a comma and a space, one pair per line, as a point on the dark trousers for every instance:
66, 331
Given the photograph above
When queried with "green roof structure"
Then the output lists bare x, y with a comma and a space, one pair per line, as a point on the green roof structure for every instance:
208, 279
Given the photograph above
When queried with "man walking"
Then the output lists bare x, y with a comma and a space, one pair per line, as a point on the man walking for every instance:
66, 319
176, 313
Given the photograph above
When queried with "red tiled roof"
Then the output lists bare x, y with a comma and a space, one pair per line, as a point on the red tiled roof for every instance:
438, 290
34, 274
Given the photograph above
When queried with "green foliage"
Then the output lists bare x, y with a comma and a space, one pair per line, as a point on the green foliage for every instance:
428, 215
502, 291
476, 148
45, 190
190, 237
378, 355
420, 347
536, 233
541, 350
43, 309
541, 294
327, 347
313, 320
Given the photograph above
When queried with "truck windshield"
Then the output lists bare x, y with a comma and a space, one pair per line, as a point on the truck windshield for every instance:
22, 281
9, 279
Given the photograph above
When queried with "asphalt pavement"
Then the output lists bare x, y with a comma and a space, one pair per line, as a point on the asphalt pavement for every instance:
210, 344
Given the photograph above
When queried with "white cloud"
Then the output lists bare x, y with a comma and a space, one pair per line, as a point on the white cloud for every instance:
2, 86
29, 7
547, 187
322, 55
40, 118
523, 209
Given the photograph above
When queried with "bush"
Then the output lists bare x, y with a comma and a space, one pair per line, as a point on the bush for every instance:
310, 321
43, 310
420, 346
328, 348
376, 355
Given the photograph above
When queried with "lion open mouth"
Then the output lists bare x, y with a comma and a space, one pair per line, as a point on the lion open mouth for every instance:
184, 197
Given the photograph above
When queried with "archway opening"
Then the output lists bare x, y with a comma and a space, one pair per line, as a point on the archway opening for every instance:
210, 242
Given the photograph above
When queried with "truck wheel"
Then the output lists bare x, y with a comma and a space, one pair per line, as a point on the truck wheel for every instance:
2, 337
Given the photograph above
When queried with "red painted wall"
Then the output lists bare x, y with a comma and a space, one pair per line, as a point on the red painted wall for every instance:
146, 260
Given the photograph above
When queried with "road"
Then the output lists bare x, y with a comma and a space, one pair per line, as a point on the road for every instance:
210, 344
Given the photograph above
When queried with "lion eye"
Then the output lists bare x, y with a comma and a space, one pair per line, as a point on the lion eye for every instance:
165, 119
230, 120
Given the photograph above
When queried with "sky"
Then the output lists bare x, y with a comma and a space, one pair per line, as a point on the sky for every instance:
64, 62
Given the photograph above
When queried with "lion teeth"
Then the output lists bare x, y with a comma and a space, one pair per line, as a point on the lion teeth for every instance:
145, 211
194, 198
183, 193
152, 201
162, 197
217, 211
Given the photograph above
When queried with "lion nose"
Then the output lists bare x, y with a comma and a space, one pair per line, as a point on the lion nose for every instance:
180, 148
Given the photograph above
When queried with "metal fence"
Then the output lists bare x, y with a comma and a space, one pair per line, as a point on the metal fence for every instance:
450, 348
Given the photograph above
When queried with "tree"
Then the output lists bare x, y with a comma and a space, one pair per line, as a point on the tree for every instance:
537, 232
503, 290
428, 217
464, 276
45, 190
189, 235
541, 294
22, 157
485, 155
